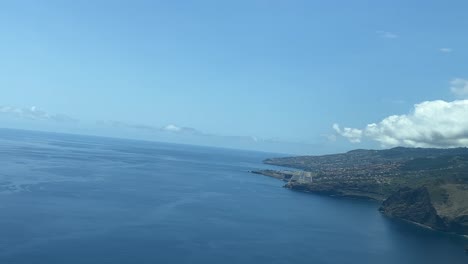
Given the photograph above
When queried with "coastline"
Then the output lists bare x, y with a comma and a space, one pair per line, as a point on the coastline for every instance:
288, 185
426, 227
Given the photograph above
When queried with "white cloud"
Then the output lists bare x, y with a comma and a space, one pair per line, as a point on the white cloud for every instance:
445, 50
171, 128
386, 34
176, 129
430, 124
459, 87
352, 134
34, 113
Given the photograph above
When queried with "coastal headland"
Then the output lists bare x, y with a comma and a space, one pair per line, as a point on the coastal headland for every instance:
422, 185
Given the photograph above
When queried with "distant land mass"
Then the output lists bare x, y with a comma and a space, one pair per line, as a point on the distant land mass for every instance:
422, 185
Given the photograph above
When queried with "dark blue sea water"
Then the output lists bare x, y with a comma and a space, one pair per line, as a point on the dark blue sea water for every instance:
76, 199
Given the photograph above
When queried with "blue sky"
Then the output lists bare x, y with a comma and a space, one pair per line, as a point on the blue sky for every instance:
262, 75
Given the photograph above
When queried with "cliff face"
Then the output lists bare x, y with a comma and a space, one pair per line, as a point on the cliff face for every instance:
450, 202
413, 205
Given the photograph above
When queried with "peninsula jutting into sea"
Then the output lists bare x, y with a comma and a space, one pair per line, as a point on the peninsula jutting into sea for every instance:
422, 185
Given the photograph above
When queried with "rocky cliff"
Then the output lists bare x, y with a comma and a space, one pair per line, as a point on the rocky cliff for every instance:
413, 205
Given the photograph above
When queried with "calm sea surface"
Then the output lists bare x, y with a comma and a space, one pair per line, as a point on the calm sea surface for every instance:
75, 199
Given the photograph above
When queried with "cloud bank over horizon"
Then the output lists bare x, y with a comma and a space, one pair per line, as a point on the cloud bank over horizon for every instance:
38, 115
437, 124
170, 128
34, 113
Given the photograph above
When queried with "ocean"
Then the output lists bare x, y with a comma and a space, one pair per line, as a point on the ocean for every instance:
80, 199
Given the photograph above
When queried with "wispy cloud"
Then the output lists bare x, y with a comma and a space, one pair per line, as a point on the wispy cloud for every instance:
118, 124
192, 132
34, 113
445, 50
386, 34
181, 130
330, 137
171, 128
459, 87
